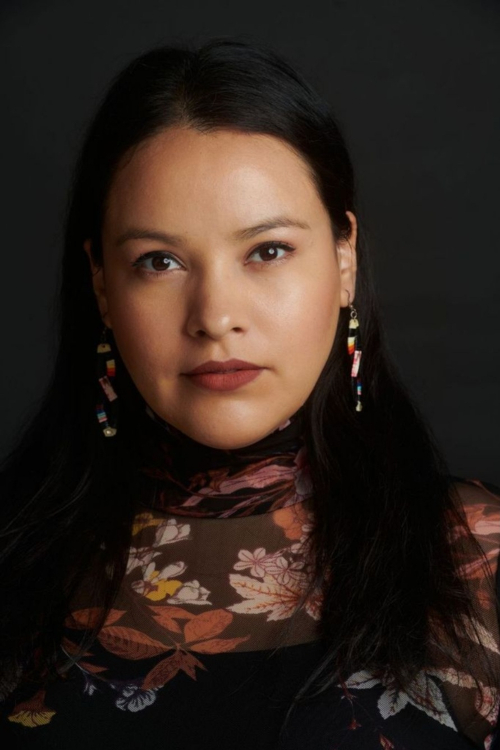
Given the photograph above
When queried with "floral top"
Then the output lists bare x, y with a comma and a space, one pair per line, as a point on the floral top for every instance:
204, 648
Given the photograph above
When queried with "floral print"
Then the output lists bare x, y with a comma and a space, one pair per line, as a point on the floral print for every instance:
33, 712
431, 694
270, 474
198, 587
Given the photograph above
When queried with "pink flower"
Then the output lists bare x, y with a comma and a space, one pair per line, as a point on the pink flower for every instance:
253, 560
273, 565
303, 481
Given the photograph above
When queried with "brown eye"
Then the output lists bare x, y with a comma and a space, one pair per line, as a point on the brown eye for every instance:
270, 251
160, 262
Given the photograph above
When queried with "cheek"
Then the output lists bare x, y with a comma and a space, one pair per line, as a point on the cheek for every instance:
309, 326
146, 332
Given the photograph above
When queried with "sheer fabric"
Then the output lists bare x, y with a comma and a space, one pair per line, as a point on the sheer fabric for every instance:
206, 643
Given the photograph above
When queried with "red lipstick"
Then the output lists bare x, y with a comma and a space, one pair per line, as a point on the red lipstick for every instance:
224, 376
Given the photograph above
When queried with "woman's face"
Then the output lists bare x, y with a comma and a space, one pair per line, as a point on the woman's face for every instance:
201, 210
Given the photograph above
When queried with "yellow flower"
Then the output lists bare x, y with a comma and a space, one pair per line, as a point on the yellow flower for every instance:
163, 588
32, 718
33, 712
143, 520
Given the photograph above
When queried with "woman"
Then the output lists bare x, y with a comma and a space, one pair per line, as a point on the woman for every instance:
229, 526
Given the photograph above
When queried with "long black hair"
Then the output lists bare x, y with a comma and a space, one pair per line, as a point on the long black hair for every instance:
383, 497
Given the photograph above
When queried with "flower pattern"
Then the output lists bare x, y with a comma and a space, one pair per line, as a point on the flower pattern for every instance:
195, 588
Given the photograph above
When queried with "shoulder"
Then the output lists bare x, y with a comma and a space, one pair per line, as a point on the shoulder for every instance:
480, 502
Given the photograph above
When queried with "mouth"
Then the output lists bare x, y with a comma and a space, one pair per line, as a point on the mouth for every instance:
230, 365
225, 380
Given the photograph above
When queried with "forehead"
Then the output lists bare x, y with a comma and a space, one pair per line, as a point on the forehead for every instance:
226, 175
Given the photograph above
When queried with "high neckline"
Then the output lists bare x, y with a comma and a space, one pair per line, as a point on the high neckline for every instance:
193, 479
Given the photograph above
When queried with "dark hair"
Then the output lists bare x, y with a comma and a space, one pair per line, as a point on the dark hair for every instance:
383, 496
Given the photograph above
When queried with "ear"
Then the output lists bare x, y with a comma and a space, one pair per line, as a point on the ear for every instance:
346, 251
99, 284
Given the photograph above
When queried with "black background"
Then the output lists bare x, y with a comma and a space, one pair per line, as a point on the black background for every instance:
415, 88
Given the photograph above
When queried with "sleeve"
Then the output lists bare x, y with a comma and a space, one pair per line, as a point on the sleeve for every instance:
480, 502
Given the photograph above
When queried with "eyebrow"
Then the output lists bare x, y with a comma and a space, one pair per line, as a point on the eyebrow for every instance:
241, 234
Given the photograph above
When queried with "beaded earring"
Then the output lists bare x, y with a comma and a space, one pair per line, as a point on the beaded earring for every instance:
354, 349
106, 370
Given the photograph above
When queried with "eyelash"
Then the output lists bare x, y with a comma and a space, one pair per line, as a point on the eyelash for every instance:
161, 253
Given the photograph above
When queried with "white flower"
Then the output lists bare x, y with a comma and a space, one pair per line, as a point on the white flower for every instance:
135, 699
140, 556
171, 531
190, 592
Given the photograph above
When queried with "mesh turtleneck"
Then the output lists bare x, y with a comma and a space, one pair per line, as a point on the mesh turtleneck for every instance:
244, 581
192, 479
214, 627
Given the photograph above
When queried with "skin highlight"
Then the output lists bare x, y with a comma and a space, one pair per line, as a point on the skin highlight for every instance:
214, 295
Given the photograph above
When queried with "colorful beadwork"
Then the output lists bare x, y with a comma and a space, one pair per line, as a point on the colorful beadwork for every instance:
101, 414
354, 349
359, 405
102, 418
352, 333
355, 363
106, 370
108, 388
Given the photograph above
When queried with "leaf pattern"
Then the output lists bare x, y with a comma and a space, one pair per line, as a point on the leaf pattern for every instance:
87, 618
218, 645
167, 616
129, 643
264, 596
425, 695
191, 592
385, 743
207, 625
168, 668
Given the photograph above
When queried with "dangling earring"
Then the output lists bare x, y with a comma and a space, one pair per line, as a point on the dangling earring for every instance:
354, 349
106, 370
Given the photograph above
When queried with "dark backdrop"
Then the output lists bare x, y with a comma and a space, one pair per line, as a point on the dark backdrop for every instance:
415, 87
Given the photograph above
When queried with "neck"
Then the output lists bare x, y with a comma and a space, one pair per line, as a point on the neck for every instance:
195, 479
286, 434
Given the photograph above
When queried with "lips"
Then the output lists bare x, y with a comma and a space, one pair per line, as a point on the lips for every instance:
230, 365
229, 380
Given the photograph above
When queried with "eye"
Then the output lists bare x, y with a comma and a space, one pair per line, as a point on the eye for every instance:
161, 262
271, 248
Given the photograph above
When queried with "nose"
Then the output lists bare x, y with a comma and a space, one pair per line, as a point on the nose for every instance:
216, 305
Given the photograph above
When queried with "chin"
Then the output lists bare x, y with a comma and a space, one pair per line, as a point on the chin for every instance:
224, 438
225, 441
218, 427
